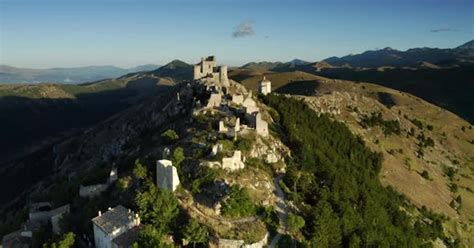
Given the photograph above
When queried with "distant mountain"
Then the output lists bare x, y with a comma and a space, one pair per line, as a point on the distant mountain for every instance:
392, 57
261, 66
176, 69
9, 74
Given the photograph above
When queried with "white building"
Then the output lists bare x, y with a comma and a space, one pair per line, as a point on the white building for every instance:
208, 70
234, 162
166, 175
111, 227
265, 86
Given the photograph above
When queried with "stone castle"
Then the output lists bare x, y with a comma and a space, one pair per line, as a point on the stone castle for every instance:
207, 70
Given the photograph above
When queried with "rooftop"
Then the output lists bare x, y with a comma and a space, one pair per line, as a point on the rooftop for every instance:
114, 218
127, 238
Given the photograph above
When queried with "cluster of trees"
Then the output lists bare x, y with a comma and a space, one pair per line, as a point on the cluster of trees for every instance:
376, 119
333, 179
161, 216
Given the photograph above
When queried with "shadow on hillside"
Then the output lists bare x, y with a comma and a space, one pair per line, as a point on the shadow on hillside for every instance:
304, 87
28, 122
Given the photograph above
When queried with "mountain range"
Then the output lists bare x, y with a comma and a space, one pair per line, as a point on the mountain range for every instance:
10, 74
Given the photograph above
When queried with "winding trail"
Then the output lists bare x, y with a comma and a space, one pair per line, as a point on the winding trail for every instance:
282, 210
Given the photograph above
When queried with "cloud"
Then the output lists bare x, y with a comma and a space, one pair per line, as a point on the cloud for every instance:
243, 29
439, 30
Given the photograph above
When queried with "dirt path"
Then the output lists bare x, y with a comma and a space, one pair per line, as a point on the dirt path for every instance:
282, 210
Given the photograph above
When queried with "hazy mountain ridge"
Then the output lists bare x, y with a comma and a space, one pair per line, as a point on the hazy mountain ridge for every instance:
441, 76
10, 74
410, 57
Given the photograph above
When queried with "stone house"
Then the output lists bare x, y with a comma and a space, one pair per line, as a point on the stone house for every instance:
115, 228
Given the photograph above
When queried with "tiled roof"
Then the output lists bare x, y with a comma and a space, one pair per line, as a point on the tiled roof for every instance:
114, 218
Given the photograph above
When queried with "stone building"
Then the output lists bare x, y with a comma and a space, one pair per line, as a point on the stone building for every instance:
238, 99
261, 126
265, 86
230, 131
41, 213
234, 162
250, 105
166, 175
207, 70
114, 227
97, 189
215, 100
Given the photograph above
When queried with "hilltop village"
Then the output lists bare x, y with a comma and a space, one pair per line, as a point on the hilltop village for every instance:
236, 117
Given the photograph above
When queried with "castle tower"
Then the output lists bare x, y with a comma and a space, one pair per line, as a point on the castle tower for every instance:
223, 79
166, 175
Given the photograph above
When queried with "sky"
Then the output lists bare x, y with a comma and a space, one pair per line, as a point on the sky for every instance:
126, 33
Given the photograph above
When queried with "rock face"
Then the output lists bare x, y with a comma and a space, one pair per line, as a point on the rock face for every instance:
237, 243
166, 175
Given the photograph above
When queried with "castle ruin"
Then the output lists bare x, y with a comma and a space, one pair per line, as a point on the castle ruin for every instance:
208, 71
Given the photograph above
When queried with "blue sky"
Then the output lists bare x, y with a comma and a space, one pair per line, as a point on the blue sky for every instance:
66, 33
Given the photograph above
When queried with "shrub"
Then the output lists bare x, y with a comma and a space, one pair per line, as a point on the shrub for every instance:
169, 136
295, 222
425, 174
238, 203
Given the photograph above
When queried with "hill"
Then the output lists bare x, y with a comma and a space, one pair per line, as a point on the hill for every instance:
406, 154
329, 168
11, 75
49, 111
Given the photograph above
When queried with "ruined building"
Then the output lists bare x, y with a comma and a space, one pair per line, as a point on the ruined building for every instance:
207, 70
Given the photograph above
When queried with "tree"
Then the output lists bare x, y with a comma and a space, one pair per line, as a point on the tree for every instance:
156, 206
139, 171
66, 241
178, 156
149, 236
169, 136
194, 232
295, 222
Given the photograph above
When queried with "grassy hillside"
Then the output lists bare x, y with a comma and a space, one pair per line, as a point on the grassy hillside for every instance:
402, 135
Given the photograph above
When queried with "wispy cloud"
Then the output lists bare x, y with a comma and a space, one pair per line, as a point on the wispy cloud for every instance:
244, 29
439, 30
